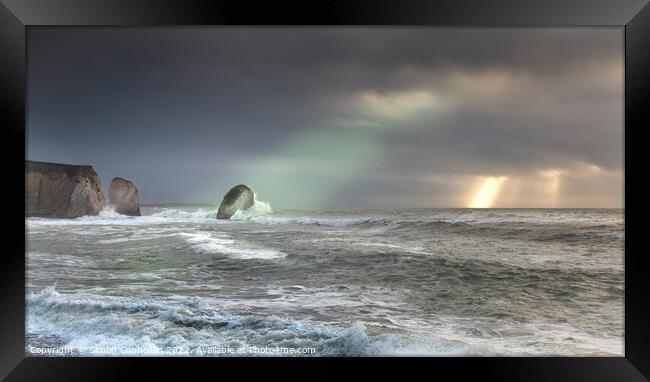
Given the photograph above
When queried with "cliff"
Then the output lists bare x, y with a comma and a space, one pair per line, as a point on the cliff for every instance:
123, 195
61, 190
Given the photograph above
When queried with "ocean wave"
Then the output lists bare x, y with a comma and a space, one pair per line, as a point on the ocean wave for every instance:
104, 322
172, 213
321, 221
258, 209
220, 243
542, 232
531, 225
507, 225
587, 232
140, 234
345, 222
83, 321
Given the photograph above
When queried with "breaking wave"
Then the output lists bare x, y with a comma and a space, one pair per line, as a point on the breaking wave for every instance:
220, 243
86, 321
258, 209
103, 322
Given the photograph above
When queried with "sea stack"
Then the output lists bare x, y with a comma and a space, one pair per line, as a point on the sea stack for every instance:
123, 196
57, 190
240, 197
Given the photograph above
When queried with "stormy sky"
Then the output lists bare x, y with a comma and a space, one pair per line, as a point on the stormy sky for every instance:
336, 117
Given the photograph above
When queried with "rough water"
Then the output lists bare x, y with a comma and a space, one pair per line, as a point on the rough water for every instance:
442, 282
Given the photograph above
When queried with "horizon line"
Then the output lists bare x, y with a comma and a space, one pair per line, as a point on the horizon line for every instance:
204, 204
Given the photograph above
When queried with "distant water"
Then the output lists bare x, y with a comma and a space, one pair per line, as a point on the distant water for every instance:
410, 282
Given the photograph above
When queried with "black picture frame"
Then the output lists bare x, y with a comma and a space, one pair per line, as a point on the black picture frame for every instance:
18, 15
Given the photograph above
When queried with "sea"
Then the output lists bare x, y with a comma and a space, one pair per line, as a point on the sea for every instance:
177, 282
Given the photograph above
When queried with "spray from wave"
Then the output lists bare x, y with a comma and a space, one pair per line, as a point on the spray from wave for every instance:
258, 209
95, 325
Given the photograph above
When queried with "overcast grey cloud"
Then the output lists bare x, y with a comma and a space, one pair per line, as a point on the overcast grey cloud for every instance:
337, 117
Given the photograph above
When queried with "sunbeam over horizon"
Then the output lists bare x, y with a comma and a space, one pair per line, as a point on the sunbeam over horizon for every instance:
488, 192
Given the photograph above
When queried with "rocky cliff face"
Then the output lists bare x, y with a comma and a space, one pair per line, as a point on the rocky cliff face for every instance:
61, 190
240, 197
123, 195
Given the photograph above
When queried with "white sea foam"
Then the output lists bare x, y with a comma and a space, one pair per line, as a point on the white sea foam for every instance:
219, 243
105, 323
84, 321
258, 209
172, 213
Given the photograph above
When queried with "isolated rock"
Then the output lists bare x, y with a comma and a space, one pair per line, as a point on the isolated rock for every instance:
240, 197
57, 190
123, 196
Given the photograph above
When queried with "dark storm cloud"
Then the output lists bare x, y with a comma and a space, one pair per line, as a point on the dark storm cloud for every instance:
186, 109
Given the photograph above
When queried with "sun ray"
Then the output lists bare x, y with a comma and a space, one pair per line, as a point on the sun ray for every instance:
487, 193
553, 187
